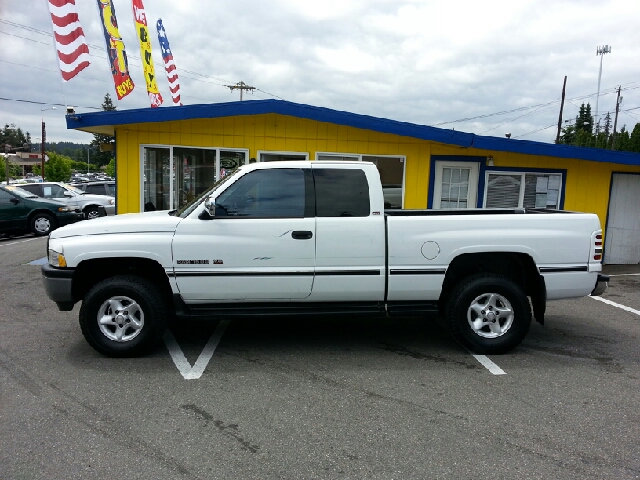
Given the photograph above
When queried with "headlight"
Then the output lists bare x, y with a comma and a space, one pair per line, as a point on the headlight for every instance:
64, 209
112, 201
56, 259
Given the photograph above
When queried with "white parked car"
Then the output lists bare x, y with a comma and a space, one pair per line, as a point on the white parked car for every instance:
92, 206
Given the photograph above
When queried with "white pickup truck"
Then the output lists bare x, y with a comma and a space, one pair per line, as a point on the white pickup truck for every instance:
309, 238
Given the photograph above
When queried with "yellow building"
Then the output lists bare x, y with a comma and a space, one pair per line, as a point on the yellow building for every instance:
167, 156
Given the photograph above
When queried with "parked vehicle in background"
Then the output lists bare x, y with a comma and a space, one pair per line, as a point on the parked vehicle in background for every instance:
92, 206
104, 187
21, 211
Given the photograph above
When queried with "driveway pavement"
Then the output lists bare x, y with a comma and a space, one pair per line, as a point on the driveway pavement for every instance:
336, 398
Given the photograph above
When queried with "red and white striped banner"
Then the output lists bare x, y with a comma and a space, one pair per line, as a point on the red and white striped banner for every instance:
169, 64
73, 52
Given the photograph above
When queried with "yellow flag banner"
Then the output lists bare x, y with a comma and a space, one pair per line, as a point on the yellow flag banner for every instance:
115, 49
140, 22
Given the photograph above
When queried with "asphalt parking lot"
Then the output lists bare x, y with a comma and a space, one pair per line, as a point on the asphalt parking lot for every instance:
334, 398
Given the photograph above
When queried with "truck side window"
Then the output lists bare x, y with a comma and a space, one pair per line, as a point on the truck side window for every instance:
275, 193
341, 193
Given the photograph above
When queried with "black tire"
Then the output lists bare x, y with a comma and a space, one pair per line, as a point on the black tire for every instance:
42, 224
140, 324
490, 314
91, 212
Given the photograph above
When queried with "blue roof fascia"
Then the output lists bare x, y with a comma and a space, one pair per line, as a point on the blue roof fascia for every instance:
321, 114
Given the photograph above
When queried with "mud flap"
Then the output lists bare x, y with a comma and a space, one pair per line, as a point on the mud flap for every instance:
539, 300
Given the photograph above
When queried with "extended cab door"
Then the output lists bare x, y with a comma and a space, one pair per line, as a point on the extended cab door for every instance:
259, 246
350, 233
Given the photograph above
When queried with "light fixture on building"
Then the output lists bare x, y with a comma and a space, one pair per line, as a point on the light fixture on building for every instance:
490, 161
508, 135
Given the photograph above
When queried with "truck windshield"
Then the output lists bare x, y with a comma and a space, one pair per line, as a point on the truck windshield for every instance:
186, 209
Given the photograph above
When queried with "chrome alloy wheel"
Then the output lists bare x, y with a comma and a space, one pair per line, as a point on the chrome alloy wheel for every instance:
93, 213
490, 315
42, 225
120, 319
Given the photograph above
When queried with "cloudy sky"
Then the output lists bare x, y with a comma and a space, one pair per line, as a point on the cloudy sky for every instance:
486, 67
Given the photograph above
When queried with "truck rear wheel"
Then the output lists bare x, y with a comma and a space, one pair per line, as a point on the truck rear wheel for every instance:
123, 316
490, 314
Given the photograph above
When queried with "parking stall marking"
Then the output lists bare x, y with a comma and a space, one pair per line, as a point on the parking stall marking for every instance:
488, 364
16, 243
614, 304
194, 372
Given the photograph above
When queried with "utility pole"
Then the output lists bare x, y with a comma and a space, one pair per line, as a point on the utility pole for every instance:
240, 86
564, 86
7, 148
615, 122
44, 138
600, 51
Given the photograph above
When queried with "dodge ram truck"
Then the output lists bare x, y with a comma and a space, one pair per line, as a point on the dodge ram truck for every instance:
309, 238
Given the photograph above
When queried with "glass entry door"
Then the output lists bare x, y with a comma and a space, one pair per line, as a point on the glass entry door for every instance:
156, 179
195, 173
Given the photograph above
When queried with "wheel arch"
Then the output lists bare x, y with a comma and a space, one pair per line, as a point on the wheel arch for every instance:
89, 272
36, 211
517, 267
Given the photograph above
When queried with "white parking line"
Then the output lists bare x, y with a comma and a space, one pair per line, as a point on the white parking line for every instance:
614, 304
184, 367
488, 364
15, 243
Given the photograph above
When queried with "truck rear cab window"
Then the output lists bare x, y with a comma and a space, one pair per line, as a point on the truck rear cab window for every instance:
274, 193
341, 192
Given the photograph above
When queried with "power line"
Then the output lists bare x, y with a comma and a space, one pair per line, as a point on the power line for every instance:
182, 71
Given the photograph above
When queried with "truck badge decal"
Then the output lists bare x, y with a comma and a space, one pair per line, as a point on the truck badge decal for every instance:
218, 262
192, 262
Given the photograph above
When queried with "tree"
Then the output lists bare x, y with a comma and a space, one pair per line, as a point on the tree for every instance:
111, 168
14, 136
57, 168
634, 140
14, 170
98, 156
622, 140
584, 120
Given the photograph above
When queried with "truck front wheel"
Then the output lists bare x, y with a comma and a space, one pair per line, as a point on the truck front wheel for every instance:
490, 314
123, 316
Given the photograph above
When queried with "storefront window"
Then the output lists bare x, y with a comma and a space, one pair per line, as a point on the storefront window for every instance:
156, 179
173, 176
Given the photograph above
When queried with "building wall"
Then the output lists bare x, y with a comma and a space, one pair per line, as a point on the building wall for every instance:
587, 183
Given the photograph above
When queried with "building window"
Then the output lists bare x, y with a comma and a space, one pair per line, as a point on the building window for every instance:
174, 175
455, 185
391, 170
523, 190
266, 156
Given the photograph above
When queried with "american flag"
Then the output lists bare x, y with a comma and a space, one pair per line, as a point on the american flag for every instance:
73, 52
169, 65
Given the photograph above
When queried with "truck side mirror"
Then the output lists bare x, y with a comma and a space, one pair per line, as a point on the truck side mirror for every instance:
68, 194
209, 211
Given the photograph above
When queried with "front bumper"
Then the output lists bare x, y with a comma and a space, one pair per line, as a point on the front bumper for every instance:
601, 285
57, 283
110, 209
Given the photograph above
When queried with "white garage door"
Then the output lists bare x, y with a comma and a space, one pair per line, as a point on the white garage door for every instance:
622, 240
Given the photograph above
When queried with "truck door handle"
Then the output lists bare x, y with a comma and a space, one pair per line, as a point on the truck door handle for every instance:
301, 234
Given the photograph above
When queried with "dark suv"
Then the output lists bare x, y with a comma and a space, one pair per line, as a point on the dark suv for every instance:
21, 211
